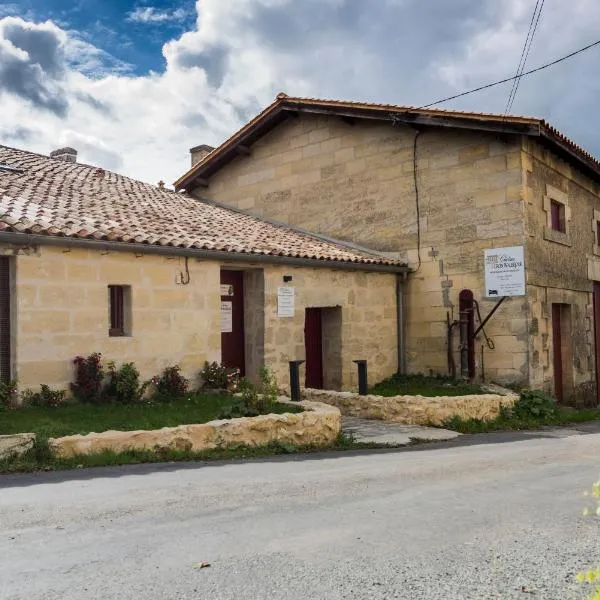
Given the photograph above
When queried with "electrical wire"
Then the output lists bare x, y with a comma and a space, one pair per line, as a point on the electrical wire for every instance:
525, 74
535, 19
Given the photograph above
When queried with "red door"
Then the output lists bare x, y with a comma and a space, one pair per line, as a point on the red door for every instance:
597, 336
557, 351
232, 320
313, 343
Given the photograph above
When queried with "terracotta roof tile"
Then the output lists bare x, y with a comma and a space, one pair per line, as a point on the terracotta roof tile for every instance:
57, 198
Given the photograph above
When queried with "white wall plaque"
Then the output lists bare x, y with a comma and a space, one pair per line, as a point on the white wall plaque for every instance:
226, 289
226, 317
504, 272
285, 302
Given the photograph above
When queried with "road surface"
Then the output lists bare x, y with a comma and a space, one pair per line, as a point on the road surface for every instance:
479, 521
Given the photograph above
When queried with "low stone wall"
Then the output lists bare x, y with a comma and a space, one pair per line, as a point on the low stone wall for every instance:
15, 445
413, 410
318, 425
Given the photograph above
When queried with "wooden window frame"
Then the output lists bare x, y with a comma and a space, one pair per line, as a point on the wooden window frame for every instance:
118, 310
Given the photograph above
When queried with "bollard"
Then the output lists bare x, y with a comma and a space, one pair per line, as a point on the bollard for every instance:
464, 344
295, 379
362, 376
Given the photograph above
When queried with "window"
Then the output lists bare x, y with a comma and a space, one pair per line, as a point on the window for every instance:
557, 216
598, 233
119, 307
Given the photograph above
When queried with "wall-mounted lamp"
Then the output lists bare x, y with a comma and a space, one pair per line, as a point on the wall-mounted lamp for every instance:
287, 278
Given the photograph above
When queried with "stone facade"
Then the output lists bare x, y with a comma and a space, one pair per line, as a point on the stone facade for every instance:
61, 310
356, 182
414, 410
318, 425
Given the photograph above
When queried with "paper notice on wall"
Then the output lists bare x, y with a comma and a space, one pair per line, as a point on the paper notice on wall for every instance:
504, 272
226, 317
226, 289
285, 302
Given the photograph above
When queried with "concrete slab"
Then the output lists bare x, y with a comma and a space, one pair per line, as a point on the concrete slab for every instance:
394, 434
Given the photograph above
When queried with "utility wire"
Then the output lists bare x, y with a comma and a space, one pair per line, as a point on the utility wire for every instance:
495, 83
535, 19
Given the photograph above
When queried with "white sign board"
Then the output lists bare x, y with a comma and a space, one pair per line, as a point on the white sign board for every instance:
226, 317
285, 301
504, 272
226, 289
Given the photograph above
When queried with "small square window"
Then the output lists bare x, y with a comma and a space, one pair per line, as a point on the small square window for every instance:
119, 302
557, 216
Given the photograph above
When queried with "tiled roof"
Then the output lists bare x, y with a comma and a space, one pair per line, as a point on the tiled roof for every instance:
51, 197
284, 102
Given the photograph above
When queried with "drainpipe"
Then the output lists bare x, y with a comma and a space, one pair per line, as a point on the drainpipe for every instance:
401, 322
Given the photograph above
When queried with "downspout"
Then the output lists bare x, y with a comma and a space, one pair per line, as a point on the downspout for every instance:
401, 322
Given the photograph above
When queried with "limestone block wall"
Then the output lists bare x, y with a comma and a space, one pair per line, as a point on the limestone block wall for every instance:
561, 268
356, 182
414, 410
318, 425
62, 310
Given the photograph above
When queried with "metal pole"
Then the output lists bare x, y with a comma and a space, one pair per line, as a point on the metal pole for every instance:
362, 377
464, 344
295, 379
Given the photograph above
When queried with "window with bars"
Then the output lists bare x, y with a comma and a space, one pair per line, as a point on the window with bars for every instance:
119, 302
557, 216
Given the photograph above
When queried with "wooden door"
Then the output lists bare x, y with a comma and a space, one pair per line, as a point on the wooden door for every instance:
313, 342
5, 301
557, 351
597, 336
232, 320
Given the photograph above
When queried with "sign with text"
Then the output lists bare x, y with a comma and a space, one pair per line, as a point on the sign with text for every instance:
504, 272
226, 289
226, 317
285, 302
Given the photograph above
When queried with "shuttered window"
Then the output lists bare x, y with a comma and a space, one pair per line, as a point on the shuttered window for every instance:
557, 216
5, 349
119, 308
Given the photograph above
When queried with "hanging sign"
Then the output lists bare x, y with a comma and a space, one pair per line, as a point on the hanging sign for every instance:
226, 317
226, 289
285, 302
504, 272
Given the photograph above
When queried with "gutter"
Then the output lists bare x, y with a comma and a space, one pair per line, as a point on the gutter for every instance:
23, 239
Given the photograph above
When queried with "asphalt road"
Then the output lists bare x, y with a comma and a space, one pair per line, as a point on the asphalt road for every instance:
478, 521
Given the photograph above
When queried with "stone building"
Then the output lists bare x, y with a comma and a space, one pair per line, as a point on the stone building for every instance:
435, 189
91, 261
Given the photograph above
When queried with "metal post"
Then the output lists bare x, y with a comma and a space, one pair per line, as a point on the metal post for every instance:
464, 344
295, 379
362, 376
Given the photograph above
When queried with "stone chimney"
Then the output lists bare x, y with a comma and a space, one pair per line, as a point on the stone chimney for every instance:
67, 154
200, 153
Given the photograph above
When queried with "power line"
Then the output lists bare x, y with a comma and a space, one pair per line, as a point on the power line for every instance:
535, 18
490, 85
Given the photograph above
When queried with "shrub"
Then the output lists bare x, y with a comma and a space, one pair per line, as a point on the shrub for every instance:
219, 377
534, 404
89, 377
171, 383
124, 384
8, 394
46, 397
254, 400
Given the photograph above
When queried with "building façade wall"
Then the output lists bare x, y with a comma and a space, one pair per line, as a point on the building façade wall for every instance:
61, 310
561, 268
356, 182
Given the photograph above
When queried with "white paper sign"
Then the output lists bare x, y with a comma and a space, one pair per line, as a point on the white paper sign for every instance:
226, 289
226, 317
504, 272
285, 301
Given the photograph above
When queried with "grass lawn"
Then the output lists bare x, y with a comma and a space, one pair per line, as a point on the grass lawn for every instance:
70, 419
422, 385
563, 416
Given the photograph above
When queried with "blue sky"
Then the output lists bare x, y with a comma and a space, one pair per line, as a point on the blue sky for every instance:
133, 85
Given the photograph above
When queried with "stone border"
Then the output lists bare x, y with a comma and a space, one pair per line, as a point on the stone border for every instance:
318, 425
414, 410
16, 444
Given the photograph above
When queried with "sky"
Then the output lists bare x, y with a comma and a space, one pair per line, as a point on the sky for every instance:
132, 85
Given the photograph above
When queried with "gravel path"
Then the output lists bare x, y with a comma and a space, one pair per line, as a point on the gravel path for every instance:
476, 522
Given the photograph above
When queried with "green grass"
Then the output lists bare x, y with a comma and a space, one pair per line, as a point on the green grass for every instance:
422, 385
511, 423
71, 419
40, 458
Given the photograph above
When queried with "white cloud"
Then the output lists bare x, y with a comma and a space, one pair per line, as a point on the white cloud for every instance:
149, 14
239, 56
